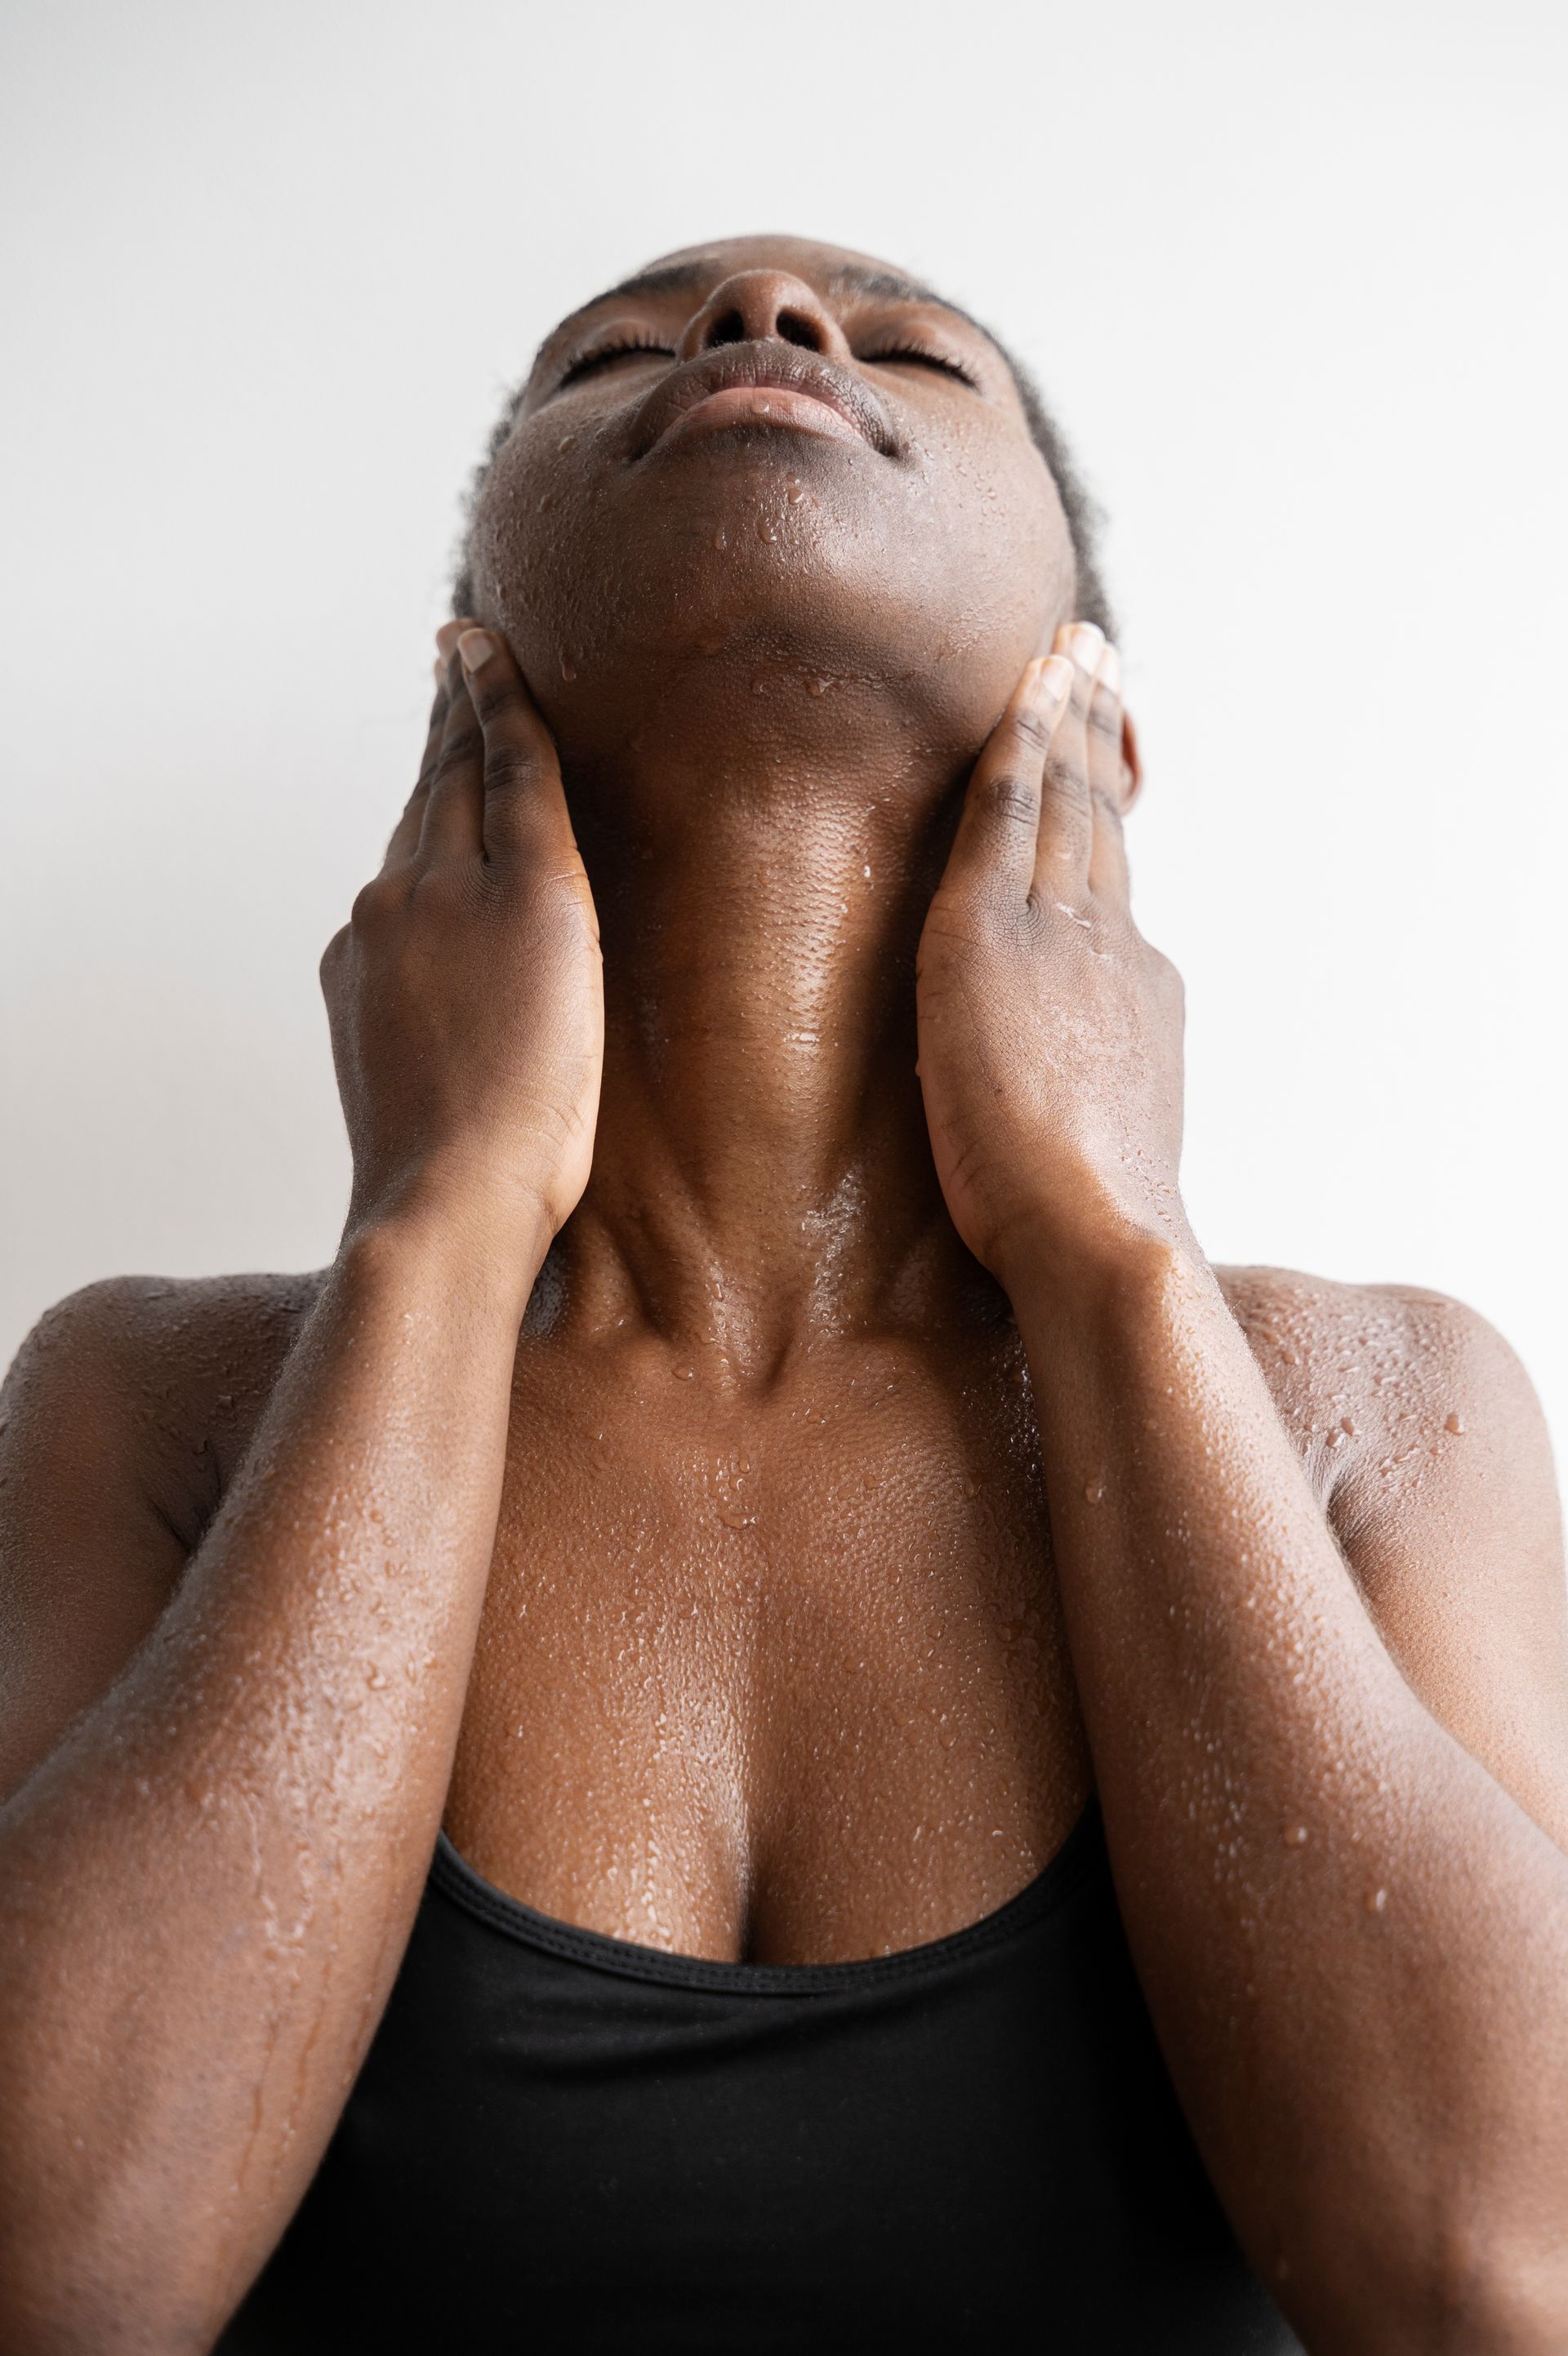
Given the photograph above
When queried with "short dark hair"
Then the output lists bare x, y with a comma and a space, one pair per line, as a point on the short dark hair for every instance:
1085, 516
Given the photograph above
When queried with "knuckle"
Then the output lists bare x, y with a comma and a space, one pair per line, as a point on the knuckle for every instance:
372, 902
497, 699
440, 884
1032, 729
1166, 975
456, 750
1010, 802
510, 767
1065, 781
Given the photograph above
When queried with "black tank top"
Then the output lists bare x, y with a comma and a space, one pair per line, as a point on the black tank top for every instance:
561, 2140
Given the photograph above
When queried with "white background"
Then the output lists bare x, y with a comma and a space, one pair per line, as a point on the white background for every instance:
1291, 278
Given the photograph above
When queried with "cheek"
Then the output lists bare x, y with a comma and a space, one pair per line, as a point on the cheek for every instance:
530, 545
1007, 550
998, 569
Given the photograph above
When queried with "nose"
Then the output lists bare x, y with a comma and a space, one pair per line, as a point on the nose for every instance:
751, 305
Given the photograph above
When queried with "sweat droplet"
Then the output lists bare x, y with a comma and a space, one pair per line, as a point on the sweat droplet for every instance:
1376, 1900
1093, 1491
1455, 1424
567, 441
1296, 1837
765, 531
734, 1519
721, 540
568, 670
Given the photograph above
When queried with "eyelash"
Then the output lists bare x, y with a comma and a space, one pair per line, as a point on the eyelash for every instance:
596, 358
918, 352
579, 369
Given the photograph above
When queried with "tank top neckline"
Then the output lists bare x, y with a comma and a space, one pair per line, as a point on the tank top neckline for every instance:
462, 1883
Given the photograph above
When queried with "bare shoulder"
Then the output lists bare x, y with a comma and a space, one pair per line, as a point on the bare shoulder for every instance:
1378, 1383
170, 1372
121, 1421
1421, 1434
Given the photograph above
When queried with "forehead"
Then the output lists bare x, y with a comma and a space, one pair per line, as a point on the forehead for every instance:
836, 271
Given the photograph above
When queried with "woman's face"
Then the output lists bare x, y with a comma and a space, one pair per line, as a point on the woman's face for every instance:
775, 469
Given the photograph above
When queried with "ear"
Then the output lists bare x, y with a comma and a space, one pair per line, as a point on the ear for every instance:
1132, 767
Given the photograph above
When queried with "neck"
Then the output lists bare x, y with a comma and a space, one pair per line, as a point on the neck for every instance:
762, 1175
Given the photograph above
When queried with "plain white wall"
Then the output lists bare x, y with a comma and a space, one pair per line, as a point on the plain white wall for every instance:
1291, 276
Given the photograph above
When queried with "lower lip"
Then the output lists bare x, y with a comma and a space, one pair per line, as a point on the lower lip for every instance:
763, 405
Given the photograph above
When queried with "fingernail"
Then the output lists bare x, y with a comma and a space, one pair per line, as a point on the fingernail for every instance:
439, 668
1111, 668
447, 638
1050, 683
1088, 639
475, 648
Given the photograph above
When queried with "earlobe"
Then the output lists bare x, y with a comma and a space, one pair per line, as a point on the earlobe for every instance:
1132, 767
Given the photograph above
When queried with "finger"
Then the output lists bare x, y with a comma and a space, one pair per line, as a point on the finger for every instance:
1067, 810
451, 828
404, 840
1108, 854
524, 812
448, 636
1000, 816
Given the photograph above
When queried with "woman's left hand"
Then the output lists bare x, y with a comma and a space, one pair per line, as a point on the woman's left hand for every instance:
1049, 1030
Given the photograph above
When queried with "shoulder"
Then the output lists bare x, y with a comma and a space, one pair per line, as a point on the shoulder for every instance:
1423, 1435
1379, 1382
170, 1372
120, 1421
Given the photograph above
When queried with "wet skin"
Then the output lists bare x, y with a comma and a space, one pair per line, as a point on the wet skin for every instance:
880, 1464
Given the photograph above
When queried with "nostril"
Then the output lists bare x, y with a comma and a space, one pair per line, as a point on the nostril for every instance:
795, 328
729, 327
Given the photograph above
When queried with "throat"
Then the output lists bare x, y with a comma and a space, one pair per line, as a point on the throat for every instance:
762, 1171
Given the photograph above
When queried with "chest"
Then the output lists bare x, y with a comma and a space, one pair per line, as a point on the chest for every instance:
784, 1681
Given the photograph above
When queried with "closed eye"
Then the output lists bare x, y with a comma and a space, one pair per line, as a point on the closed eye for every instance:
628, 347
917, 354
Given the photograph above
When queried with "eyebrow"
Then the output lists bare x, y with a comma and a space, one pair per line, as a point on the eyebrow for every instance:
850, 278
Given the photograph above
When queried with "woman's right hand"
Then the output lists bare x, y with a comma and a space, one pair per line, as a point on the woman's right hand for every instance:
465, 993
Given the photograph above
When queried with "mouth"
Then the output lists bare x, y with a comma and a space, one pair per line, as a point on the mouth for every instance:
761, 384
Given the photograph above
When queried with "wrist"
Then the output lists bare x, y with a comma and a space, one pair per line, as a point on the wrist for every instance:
478, 1253
1103, 1250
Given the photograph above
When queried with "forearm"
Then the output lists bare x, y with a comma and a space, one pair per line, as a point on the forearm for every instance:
1350, 1936
204, 1891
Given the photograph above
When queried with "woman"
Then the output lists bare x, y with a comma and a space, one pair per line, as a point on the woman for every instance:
984, 1767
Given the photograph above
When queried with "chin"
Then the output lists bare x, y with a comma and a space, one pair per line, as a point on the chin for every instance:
769, 588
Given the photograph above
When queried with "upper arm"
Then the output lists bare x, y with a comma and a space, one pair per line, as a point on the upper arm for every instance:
94, 1515
1447, 1513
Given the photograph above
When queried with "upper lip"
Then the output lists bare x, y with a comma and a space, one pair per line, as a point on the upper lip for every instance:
787, 365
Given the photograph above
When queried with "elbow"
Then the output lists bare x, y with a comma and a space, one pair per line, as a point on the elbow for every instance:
1477, 2282
52, 2305
1484, 2285
1498, 2287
